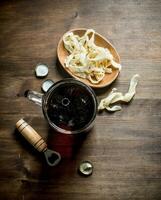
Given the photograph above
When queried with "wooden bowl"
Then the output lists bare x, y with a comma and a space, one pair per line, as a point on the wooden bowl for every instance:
100, 41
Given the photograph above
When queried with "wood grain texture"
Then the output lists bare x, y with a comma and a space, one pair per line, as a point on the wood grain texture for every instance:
124, 147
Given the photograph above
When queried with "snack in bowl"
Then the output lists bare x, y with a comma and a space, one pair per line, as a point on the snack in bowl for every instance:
86, 59
89, 57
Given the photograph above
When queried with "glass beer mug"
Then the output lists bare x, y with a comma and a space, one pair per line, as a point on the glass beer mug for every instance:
69, 106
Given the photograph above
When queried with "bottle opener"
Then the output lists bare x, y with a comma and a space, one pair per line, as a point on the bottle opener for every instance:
52, 157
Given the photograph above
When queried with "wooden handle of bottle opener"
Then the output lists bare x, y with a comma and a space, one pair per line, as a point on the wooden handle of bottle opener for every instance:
31, 135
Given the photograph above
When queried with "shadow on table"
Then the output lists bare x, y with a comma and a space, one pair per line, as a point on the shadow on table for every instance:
67, 145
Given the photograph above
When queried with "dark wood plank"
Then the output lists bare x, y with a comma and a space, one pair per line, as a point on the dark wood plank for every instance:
124, 147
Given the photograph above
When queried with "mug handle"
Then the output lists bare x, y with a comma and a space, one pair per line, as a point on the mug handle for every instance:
34, 96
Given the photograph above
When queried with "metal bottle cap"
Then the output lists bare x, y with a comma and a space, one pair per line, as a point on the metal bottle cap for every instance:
46, 85
86, 168
41, 70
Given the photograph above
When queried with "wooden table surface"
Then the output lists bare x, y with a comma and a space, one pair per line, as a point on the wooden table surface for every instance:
124, 147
